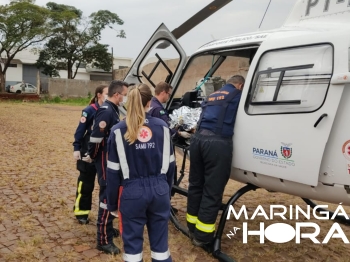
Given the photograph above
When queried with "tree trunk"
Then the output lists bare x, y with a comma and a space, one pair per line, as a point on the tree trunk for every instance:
2, 82
69, 70
38, 82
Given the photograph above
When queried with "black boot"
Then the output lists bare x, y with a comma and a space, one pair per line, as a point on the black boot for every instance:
83, 220
207, 246
109, 248
116, 232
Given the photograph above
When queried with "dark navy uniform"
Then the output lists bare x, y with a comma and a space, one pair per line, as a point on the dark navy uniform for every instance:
139, 179
210, 161
157, 110
86, 179
106, 117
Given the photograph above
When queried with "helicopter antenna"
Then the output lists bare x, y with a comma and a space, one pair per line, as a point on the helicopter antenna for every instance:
265, 13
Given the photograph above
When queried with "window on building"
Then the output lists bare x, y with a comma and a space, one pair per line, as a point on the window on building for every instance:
12, 65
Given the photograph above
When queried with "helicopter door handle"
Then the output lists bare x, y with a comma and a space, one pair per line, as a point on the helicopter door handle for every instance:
319, 120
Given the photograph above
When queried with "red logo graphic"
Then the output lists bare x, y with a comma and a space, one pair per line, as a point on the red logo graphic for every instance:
286, 150
346, 150
145, 134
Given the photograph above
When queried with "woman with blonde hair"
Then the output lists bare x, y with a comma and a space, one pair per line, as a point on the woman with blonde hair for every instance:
140, 171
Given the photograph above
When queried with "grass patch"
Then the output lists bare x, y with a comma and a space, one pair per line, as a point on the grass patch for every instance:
79, 101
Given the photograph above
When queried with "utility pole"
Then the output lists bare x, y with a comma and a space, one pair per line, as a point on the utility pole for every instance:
112, 65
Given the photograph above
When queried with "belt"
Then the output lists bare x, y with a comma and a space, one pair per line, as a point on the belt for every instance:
206, 132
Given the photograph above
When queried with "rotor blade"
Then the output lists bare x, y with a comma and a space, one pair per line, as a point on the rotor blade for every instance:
199, 17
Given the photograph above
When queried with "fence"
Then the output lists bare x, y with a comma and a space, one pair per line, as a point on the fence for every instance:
72, 87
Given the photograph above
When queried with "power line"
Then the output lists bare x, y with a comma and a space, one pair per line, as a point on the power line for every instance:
265, 13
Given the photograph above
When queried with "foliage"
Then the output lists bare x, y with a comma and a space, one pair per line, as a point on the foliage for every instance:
76, 40
22, 24
81, 101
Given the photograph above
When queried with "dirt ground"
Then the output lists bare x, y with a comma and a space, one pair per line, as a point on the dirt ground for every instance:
37, 193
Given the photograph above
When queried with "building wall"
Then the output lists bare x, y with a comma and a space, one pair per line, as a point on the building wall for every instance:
121, 61
120, 74
81, 75
30, 73
73, 87
28, 57
14, 75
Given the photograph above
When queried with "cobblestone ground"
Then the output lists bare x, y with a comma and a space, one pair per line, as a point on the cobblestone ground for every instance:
37, 192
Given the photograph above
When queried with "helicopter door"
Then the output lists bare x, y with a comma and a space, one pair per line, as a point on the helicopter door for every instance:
288, 113
161, 59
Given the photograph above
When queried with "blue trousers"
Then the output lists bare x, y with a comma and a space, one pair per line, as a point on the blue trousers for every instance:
145, 201
104, 218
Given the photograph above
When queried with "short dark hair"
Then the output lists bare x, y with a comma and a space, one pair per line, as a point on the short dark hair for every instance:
116, 86
162, 86
236, 79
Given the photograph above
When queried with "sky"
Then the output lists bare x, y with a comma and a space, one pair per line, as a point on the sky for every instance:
142, 17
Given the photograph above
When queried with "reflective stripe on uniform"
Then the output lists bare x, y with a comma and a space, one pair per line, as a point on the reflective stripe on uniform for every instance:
172, 158
121, 153
160, 256
113, 165
207, 228
191, 219
81, 212
77, 211
103, 205
132, 258
166, 151
96, 139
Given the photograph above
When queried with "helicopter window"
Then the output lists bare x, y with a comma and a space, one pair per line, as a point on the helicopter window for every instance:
197, 69
159, 64
291, 80
217, 68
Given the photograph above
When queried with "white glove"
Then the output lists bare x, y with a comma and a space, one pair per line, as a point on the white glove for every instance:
76, 155
87, 159
185, 134
114, 213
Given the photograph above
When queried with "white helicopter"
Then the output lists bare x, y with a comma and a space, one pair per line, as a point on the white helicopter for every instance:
292, 132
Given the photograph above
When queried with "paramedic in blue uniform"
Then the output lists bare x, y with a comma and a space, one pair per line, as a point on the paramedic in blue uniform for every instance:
162, 95
140, 171
106, 117
86, 179
210, 160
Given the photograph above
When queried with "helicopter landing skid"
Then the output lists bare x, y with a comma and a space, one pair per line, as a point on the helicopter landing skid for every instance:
340, 218
217, 253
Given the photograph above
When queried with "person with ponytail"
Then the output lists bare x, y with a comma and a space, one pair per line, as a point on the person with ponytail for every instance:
86, 179
140, 170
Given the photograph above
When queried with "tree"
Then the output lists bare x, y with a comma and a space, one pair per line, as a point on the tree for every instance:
22, 24
76, 41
